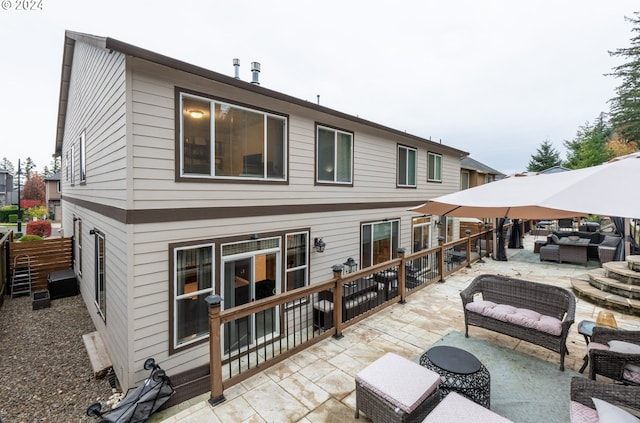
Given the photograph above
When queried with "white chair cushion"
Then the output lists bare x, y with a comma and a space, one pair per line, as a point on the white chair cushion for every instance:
400, 381
624, 347
609, 413
456, 408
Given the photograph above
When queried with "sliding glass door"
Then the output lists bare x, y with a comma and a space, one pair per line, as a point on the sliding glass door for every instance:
249, 273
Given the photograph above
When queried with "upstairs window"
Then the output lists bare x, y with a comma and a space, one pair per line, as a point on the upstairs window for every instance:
464, 179
83, 158
72, 165
334, 156
225, 141
406, 166
434, 167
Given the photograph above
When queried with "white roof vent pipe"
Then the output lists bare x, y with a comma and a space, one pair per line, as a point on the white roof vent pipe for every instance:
236, 67
255, 72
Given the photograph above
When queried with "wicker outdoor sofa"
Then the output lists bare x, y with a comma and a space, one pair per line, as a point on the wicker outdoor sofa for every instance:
584, 390
530, 311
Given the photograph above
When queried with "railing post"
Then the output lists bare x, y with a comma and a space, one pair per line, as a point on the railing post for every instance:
337, 300
468, 232
402, 274
441, 258
215, 353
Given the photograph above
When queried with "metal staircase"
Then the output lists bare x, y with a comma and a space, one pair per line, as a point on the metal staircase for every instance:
21, 278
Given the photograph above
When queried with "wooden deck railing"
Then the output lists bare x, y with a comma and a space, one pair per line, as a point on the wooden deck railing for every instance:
247, 339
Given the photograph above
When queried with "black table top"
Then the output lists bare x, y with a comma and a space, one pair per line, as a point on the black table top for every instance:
454, 360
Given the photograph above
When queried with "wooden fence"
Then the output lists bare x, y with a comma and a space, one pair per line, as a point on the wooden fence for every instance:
4, 263
46, 256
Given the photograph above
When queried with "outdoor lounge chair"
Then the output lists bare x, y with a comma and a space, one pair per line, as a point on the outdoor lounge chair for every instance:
582, 407
615, 354
607, 248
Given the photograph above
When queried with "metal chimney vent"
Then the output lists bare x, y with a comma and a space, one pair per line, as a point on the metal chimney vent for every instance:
255, 71
236, 66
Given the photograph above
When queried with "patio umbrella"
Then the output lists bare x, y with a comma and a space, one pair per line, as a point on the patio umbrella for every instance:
605, 190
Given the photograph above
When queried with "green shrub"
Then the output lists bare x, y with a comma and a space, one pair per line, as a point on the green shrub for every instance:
39, 212
30, 238
13, 218
39, 227
5, 211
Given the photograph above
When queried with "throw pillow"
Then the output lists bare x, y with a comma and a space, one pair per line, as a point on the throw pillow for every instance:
624, 347
610, 241
555, 238
609, 413
580, 413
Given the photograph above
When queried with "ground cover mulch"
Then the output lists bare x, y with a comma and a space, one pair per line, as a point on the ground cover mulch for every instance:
45, 373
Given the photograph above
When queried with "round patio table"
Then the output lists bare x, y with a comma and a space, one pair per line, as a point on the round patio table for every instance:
460, 371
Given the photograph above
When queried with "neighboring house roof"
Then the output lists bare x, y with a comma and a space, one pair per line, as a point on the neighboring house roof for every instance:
469, 163
554, 169
131, 50
54, 177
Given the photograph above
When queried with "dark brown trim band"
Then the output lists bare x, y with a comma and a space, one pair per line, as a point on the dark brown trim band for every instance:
206, 213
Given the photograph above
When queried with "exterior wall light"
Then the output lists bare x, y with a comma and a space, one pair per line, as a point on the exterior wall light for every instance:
319, 245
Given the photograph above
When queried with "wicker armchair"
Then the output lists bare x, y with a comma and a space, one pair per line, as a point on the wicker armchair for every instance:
583, 390
607, 248
608, 363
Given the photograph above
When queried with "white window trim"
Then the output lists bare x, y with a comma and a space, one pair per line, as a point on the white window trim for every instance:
212, 165
71, 165
403, 149
436, 178
83, 157
102, 312
335, 156
177, 345
462, 173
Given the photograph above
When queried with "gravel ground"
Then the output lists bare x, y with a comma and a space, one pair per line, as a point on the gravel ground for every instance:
45, 373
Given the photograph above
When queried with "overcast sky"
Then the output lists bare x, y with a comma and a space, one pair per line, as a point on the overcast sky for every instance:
493, 78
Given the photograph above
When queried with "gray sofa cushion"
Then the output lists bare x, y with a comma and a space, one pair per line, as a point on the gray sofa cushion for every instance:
610, 241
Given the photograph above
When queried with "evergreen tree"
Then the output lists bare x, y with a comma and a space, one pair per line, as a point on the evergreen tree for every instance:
5, 164
589, 147
546, 156
27, 167
55, 168
625, 106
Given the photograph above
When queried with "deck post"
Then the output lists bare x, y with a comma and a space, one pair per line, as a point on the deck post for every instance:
337, 300
215, 353
441, 258
402, 275
468, 233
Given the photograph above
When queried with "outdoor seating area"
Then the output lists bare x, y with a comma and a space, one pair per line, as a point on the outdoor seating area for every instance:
318, 384
578, 247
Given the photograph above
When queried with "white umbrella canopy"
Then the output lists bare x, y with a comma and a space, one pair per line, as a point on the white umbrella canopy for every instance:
610, 189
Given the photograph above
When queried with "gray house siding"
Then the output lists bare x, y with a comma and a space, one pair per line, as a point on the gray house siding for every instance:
133, 195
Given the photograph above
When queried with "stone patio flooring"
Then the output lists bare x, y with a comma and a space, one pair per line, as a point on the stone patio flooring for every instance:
317, 385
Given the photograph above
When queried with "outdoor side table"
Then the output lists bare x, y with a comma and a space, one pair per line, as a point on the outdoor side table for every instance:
461, 372
585, 328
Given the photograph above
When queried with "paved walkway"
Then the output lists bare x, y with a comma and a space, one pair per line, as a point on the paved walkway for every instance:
317, 385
